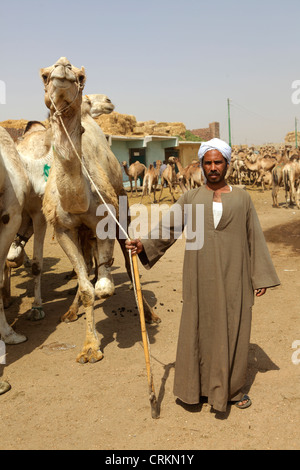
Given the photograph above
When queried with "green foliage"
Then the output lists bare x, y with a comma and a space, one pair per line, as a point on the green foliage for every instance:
190, 136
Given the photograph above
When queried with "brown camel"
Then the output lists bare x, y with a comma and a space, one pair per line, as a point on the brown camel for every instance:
261, 166
277, 181
72, 198
195, 175
136, 170
150, 181
190, 176
169, 175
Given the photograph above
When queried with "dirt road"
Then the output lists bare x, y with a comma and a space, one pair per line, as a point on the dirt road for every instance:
55, 403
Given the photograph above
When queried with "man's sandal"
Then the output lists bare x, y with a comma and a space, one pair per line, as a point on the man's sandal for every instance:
239, 404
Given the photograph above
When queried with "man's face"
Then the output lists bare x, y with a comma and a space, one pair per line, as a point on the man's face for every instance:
214, 166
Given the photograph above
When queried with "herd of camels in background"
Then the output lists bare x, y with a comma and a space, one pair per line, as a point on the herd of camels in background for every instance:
83, 168
266, 167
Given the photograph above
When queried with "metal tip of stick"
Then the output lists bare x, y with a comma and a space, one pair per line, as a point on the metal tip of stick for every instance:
154, 406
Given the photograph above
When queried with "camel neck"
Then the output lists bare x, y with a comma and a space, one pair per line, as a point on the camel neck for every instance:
71, 183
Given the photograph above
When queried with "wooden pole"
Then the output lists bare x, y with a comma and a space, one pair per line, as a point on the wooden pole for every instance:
153, 400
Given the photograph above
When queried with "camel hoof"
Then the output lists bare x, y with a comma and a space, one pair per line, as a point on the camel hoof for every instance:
104, 288
14, 338
152, 318
15, 256
4, 387
36, 314
69, 317
90, 356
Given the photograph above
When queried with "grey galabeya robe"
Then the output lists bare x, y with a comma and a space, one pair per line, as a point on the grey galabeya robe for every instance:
219, 279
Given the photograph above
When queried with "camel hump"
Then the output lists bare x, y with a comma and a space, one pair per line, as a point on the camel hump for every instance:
34, 126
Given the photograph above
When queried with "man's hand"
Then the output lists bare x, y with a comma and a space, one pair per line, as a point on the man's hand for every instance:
135, 246
260, 292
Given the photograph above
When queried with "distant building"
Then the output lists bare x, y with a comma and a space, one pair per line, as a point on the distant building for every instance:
208, 133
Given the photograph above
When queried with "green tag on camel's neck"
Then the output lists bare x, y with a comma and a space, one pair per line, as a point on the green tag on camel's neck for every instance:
46, 171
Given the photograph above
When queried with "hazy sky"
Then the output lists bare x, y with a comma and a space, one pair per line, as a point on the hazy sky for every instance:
164, 60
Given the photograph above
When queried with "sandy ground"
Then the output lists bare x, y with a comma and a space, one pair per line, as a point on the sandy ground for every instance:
56, 403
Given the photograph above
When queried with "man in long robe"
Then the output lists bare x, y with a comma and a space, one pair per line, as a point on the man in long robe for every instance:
220, 280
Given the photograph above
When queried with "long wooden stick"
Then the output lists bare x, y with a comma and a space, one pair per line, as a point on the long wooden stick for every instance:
153, 400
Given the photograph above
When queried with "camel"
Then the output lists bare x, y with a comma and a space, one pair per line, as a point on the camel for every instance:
235, 170
261, 166
190, 176
194, 173
35, 152
277, 180
183, 176
13, 191
150, 181
136, 170
170, 177
99, 104
291, 181
72, 198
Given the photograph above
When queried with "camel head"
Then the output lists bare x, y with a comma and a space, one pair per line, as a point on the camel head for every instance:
98, 105
63, 85
172, 160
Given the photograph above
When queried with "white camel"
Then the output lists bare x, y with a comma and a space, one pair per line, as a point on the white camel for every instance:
36, 154
291, 181
13, 191
71, 199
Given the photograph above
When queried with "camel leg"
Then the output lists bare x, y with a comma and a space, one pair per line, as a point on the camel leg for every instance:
275, 196
171, 192
39, 229
298, 196
154, 194
7, 234
131, 186
143, 193
104, 286
69, 242
162, 182
72, 314
6, 286
16, 254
